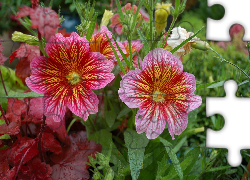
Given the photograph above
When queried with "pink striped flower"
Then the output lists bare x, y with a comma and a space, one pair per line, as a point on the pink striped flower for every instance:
162, 92
67, 76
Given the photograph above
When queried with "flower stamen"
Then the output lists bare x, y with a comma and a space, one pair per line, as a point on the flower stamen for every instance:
158, 96
73, 78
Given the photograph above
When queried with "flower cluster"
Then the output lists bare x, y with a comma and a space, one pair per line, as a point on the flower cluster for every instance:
74, 76
158, 86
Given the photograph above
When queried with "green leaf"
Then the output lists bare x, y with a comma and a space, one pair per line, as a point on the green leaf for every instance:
218, 168
76, 6
136, 144
119, 9
136, 13
110, 113
91, 27
2, 121
184, 42
116, 55
123, 112
207, 85
104, 138
13, 85
172, 156
218, 84
24, 95
144, 41
231, 171
5, 136
186, 165
120, 50
162, 166
155, 148
110, 117
244, 82
177, 4
179, 144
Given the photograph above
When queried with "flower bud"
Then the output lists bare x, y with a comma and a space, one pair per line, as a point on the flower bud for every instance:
20, 37
161, 15
201, 45
138, 17
110, 174
106, 17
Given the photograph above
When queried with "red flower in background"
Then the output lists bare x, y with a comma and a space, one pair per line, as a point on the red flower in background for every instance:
2, 57
99, 43
64, 33
136, 45
235, 30
25, 53
43, 18
115, 20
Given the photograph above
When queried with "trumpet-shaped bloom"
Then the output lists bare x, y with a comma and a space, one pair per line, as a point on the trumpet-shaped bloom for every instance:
161, 15
177, 37
67, 76
162, 92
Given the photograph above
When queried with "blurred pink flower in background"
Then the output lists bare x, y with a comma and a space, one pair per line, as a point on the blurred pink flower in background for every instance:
115, 20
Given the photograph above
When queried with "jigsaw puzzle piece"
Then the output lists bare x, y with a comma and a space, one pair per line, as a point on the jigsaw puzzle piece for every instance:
218, 30
234, 110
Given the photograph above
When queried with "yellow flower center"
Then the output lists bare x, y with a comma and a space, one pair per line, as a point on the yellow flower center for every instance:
158, 96
73, 78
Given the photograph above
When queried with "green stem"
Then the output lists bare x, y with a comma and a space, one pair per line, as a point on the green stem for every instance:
222, 59
71, 123
42, 49
151, 23
130, 52
248, 47
171, 26
90, 120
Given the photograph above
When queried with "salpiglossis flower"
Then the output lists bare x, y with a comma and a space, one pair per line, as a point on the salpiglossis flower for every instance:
162, 92
67, 76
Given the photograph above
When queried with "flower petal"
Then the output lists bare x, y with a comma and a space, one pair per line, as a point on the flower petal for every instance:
55, 102
132, 91
177, 123
136, 45
150, 120
161, 57
83, 102
99, 43
95, 70
67, 50
45, 75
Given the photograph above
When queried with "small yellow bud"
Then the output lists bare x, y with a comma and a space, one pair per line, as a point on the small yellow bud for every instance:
201, 45
20, 37
138, 17
161, 15
106, 17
